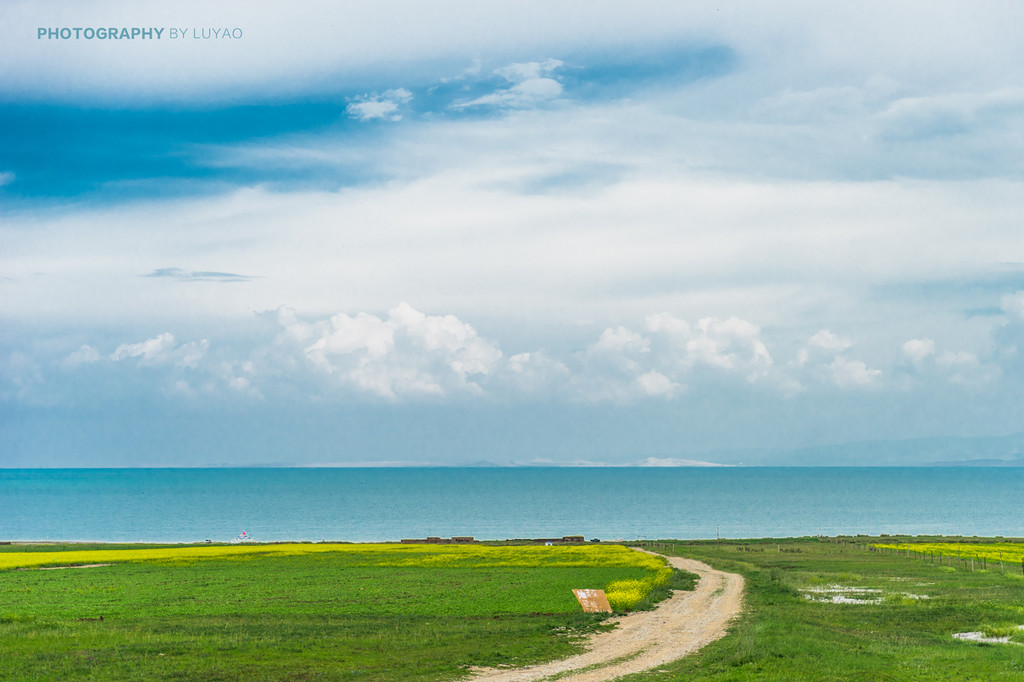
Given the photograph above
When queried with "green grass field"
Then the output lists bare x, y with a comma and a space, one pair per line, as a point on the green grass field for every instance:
899, 625
845, 609
368, 612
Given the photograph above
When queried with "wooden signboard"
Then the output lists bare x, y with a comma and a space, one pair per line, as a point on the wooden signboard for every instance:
593, 601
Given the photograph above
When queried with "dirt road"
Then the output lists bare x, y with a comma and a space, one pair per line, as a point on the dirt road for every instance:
680, 625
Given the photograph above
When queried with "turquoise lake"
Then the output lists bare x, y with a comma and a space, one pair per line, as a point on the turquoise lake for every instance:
358, 505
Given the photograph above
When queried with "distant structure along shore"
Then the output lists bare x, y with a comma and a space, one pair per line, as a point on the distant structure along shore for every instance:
469, 539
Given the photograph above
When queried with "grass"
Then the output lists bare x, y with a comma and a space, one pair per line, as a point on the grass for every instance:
428, 612
368, 612
900, 630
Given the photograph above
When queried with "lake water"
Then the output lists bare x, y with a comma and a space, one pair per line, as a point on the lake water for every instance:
186, 505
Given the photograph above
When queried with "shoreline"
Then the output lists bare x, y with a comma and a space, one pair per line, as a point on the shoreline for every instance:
640, 542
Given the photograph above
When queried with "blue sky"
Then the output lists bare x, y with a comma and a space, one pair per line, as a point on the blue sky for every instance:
510, 232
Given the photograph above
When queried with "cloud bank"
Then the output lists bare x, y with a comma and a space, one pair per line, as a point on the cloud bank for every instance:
664, 223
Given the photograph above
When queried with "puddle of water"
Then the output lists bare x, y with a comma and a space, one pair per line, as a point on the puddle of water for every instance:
980, 637
841, 594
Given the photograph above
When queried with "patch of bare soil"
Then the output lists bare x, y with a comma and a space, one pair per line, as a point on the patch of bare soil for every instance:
679, 626
59, 568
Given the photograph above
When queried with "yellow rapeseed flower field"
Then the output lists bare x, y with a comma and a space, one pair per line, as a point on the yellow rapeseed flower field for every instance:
1010, 552
384, 554
624, 595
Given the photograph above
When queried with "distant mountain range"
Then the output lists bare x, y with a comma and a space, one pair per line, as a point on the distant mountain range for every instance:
991, 451
1002, 451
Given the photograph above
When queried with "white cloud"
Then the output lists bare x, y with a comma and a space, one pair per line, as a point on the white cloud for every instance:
1013, 305
730, 345
958, 359
826, 340
826, 103
679, 331
151, 351
295, 329
519, 362
183, 388
349, 334
191, 353
464, 351
621, 339
963, 368
369, 110
536, 372
610, 368
656, 384
471, 71
83, 356
853, 373
239, 384
519, 96
21, 378
374, 106
823, 343
163, 349
823, 359
623, 364
532, 84
951, 114
407, 354
527, 71
6, 178
916, 350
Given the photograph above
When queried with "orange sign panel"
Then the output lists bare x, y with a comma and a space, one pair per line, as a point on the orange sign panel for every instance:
593, 601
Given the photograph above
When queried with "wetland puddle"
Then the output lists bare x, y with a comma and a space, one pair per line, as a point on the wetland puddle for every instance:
982, 638
842, 594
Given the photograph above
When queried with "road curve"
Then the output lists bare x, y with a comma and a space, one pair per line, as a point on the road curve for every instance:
680, 625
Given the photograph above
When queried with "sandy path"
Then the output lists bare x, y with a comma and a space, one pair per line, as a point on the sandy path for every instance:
680, 625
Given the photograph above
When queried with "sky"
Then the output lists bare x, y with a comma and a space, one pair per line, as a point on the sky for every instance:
522, 232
